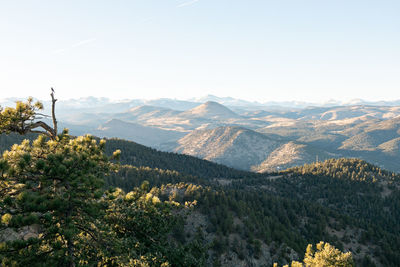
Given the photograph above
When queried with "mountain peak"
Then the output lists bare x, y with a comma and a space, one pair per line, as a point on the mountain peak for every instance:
211, 110
212, 105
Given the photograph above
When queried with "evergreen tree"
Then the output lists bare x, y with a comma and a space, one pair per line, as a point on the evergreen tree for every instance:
55, 186
25, 118
327, 255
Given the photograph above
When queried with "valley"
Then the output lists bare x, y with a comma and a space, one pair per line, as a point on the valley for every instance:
245, 135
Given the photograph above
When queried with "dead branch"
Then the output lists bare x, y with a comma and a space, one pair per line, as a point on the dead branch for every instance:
53, 112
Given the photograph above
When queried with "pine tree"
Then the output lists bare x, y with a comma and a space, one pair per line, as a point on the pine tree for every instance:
25, 118
327, 255
56, 187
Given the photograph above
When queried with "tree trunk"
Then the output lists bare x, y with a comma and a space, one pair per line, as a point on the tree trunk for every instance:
71, 257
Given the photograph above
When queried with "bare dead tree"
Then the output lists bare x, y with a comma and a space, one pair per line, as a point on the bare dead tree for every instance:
53, 111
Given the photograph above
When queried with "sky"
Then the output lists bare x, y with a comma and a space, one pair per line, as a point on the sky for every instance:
258, 50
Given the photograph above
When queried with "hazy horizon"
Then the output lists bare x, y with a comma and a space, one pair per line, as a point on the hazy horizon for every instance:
209, 97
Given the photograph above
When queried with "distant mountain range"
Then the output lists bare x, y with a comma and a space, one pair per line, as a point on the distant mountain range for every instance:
103, 104
245, 135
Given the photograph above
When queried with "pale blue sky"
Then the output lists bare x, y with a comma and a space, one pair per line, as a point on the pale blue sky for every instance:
311, 50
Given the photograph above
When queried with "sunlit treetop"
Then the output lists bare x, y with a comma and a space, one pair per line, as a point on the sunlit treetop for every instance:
25, 118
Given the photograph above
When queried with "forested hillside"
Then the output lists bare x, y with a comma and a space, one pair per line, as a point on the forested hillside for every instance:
339, 201
366, 195
141, 156
353, 169
272, 218
265, 218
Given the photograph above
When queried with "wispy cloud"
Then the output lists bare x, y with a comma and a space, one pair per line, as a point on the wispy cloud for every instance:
58, 51
78, 44
187, 3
